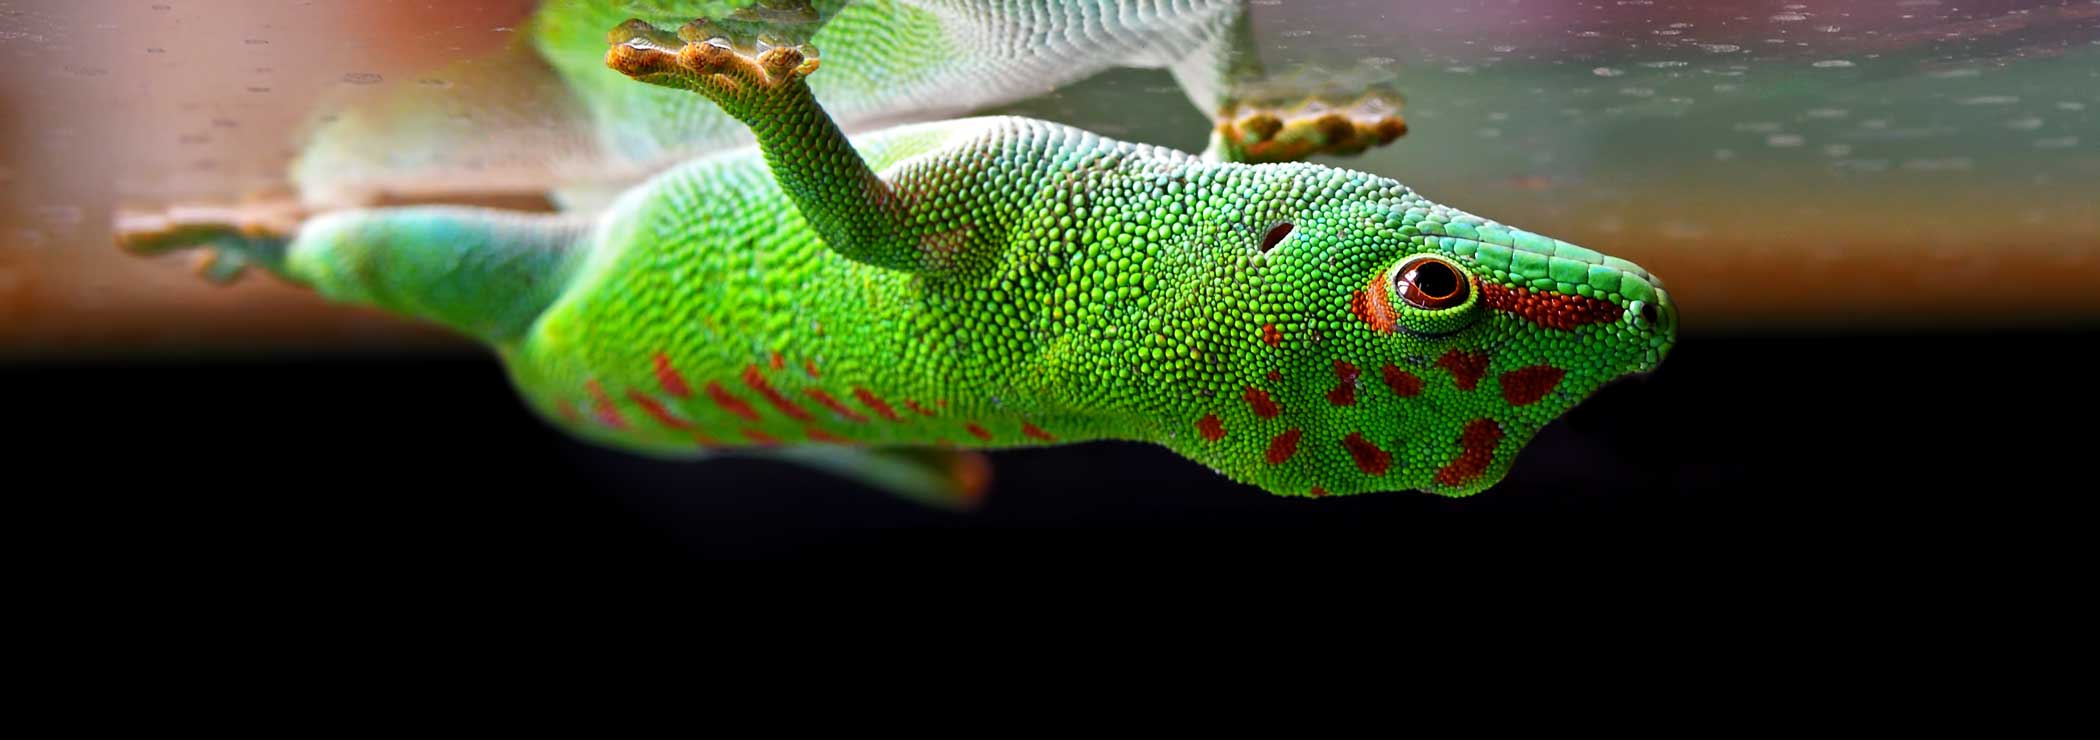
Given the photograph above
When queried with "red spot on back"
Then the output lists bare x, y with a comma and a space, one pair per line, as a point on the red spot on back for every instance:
705, 441
1283, 446
779, 363
1274, 377
810, 366
917, 409
831, 402
567, 410
1344, 393
1210, 427
1032, 431
1259, 400
759, 438
1547, 309
1375, 307
1270, 335
1476, 453
1318, 492
869, 399
1369, 458
667, 377
1526, 385
977, 431
656, 410
820, 435
1465, 367
758, 383
602, 406
730, 403
1403, 383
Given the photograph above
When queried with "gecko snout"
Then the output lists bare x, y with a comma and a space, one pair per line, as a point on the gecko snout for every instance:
1656, 321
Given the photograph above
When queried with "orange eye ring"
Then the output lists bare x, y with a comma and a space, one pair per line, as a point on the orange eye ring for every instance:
1431, 283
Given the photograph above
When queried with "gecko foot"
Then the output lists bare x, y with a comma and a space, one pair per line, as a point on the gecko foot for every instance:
228, 238
739, 73
1258, 133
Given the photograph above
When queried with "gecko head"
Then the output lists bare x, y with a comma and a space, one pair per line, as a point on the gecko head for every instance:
1398, 344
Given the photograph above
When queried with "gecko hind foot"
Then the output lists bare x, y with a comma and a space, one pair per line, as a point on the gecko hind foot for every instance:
1259, 133
229, 239
738, 72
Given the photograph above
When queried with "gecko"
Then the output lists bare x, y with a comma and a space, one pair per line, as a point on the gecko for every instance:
880, 304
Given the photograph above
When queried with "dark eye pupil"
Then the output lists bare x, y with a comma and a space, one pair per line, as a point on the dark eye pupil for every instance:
1436, 280
1430, 283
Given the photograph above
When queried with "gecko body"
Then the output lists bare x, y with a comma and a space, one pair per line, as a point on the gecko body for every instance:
998, 282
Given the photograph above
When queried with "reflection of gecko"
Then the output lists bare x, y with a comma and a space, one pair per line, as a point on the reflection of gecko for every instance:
544, 116
995, 282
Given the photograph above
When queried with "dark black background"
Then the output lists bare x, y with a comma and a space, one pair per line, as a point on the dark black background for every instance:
421, 459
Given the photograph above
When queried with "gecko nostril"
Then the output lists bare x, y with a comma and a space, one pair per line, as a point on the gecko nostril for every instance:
1652, 315
1275, 236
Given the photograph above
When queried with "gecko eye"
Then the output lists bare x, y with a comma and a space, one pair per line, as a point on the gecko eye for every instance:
1431, 283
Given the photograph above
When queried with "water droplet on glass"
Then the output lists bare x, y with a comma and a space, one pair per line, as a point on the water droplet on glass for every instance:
1607, 72
1833, 64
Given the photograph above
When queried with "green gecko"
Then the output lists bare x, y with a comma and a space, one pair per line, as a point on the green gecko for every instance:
997, 282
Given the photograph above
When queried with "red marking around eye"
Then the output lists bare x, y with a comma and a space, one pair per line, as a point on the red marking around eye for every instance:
831, 402
730, 403
1403, 383
656, 410
602, 406
1032, 431
1344, 393
872, 401
1369, 458
1526, 385
810, 366
1465, 367
977, 431
1270, 335
779, 363
820, 435
1375, 307
759, 438
1210, 427
916, 408
758, 383
1477, 452
1258, 400
568, 410
667, 377
1283, 446
1548, 309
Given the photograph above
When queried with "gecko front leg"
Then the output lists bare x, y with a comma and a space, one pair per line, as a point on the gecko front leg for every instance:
1257, 133
856, 211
